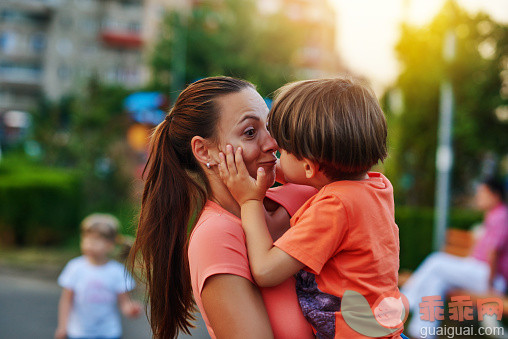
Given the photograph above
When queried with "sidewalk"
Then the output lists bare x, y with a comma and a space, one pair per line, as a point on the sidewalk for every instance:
29, 296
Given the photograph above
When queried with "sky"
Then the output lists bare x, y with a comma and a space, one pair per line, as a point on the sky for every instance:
367, 31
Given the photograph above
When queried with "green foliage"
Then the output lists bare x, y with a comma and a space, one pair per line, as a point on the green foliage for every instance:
87, 133
84, 135
476, 82
38, 205
416, 231
226, 38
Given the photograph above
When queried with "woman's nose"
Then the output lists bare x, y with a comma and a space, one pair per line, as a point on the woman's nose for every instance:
269, 143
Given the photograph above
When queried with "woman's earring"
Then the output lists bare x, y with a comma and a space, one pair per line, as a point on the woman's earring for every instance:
207, 165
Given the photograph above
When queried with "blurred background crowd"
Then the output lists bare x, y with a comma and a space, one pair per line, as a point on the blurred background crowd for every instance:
83, 82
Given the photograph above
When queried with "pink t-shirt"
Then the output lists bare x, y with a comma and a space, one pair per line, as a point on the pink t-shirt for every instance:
495, 237
217, 246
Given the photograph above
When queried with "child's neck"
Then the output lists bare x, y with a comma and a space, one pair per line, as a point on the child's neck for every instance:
97, 261
321, 180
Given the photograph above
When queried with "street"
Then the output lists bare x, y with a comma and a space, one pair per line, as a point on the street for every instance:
29, 304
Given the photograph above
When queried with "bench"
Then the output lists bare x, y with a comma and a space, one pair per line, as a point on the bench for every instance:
458, 242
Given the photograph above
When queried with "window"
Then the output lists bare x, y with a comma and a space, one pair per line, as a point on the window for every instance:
38, 42
64, 72
8, 42
66, 22
134, 26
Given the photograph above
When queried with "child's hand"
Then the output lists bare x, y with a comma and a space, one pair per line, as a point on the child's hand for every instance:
242, 186
131, 309
61, 333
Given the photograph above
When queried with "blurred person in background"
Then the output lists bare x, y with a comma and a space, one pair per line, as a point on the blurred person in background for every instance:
190, 240
95, 286
485, 270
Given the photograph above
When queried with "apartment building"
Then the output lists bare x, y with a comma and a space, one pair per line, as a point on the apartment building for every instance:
318, 57
53, 47
23, 38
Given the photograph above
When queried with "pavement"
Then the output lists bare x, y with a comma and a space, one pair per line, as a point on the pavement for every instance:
29, 306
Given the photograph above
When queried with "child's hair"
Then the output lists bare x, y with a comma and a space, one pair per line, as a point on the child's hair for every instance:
104, 225
336, 122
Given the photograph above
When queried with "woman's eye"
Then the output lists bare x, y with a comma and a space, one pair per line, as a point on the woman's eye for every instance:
250, 132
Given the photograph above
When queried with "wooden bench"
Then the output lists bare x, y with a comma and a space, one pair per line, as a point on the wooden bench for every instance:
458, 242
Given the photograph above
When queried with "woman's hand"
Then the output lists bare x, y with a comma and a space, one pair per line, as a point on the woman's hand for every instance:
234, 174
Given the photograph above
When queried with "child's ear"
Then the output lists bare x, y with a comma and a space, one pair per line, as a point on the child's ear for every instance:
311, 168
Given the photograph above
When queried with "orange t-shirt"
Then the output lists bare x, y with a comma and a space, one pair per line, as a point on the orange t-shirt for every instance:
347, 237
217, 246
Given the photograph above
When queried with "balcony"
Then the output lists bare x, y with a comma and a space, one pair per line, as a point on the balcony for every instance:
122, 39
20, 77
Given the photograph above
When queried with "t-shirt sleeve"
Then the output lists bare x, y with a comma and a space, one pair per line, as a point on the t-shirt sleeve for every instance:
68, 278
124, 281
291, 196
218, 247
317, 232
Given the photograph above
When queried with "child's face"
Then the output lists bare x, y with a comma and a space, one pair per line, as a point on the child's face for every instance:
293, 169
95, 245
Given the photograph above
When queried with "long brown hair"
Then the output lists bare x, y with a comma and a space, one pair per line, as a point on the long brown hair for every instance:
175, 190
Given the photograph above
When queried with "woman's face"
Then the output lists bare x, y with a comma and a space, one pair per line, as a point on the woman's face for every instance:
243, 124
485, 198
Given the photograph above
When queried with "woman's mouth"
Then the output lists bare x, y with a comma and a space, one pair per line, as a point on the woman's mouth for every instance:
268, 163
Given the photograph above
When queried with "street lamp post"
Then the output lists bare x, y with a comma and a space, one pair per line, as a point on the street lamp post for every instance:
444, 154
179, 57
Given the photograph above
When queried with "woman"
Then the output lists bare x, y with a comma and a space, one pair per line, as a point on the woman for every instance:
484, 270
182, 185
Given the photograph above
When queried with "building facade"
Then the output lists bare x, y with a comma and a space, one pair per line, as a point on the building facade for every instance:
52, 48
318, 57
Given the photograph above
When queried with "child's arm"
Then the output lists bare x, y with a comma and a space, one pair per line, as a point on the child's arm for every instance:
129, 307
64, 309
270, 266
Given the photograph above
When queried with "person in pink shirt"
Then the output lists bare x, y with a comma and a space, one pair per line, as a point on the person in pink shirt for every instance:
485, 269
190, 243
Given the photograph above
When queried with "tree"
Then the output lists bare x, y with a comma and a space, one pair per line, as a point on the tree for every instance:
87, 133
475, 73
226, 38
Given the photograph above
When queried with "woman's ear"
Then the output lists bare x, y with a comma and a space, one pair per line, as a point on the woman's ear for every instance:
201, 150
311, 168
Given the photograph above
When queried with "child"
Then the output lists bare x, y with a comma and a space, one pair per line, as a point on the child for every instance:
94, 286
330, 133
